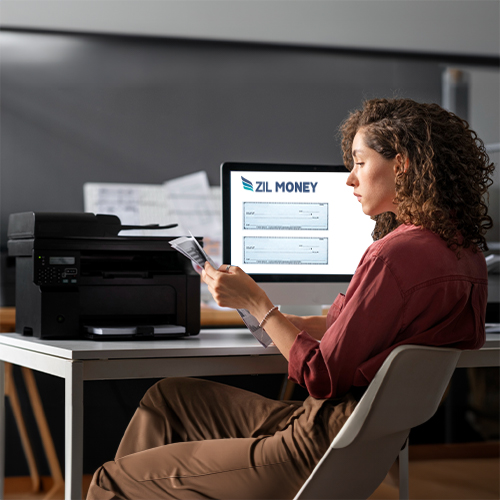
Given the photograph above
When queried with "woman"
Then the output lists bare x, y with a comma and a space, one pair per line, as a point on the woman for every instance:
423, 175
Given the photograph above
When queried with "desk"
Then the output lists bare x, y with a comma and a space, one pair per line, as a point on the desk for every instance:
213, 352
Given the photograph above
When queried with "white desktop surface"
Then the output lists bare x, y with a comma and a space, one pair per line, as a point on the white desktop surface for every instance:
220, 342
211, 342
488, 355
212, 352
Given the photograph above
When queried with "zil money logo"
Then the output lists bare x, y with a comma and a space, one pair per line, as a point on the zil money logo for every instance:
247, 184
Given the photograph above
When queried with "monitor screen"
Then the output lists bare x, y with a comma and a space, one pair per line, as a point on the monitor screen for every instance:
292, 223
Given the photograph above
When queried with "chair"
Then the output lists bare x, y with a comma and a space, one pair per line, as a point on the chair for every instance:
405, 392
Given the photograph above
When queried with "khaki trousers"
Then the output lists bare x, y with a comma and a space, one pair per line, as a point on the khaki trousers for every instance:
192, 438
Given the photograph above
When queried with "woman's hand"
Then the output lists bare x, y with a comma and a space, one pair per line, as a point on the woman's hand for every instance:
232, 287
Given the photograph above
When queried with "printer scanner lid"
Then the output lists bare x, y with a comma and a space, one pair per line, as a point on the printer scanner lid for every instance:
28, 225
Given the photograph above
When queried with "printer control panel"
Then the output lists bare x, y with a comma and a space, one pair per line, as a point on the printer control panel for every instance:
55, 268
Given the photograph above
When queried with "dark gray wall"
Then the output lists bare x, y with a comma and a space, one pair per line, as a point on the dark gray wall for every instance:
78, 108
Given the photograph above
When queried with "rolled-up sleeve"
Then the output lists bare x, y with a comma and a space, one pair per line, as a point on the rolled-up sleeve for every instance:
335, 310
361, 325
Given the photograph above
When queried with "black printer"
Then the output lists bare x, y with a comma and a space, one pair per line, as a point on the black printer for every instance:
76, 277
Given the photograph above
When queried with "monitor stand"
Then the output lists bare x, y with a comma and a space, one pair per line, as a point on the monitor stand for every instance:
303, 299
303, 310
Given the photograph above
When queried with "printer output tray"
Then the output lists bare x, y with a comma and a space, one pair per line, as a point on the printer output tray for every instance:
142, 332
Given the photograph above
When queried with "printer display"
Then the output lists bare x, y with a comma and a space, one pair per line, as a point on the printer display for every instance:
76, 277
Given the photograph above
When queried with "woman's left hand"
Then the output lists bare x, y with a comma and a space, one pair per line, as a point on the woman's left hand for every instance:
232, 287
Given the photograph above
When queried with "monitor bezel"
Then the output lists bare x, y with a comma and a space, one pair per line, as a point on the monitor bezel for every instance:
226, 169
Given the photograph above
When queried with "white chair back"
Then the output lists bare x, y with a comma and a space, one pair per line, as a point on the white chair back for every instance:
405, 392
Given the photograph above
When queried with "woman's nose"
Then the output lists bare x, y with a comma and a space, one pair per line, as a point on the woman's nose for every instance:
351, 180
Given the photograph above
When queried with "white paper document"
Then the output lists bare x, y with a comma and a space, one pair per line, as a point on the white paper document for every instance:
188, 201
191, 203
134, 204
191, 249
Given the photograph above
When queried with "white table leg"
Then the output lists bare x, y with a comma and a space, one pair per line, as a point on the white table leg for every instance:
73, 431
2, 428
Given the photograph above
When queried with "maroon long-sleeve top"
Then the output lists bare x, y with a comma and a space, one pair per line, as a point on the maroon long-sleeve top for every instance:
409, 288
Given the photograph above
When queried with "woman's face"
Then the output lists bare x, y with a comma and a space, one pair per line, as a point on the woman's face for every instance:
373, 178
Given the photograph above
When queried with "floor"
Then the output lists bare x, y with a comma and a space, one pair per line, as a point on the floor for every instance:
437, 472
473, 479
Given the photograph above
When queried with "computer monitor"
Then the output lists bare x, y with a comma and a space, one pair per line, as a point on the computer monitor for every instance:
296, 229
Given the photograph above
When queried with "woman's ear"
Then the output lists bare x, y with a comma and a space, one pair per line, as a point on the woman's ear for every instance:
401, 164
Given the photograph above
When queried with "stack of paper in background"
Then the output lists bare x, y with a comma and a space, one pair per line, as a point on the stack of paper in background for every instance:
188, 200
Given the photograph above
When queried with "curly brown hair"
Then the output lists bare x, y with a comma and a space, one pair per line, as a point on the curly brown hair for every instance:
445, 187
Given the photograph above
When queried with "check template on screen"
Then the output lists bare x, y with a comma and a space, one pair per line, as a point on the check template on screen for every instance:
292, 220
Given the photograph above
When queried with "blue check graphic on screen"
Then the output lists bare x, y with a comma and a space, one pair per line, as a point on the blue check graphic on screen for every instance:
284, 250
285, 216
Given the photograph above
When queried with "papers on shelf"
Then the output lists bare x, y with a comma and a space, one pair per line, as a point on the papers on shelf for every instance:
188, 200
134, 204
